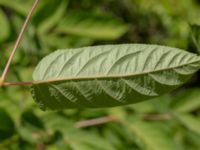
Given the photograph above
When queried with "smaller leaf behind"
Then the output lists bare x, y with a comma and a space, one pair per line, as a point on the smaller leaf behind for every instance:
5, 27
187, 100
92, 25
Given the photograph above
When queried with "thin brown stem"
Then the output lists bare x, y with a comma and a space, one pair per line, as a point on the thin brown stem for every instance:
3, 77
112, 118
96, 121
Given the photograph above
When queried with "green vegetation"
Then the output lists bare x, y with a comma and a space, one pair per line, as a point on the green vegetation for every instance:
168, 122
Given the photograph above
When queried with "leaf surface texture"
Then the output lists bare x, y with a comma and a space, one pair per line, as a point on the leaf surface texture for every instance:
110, 75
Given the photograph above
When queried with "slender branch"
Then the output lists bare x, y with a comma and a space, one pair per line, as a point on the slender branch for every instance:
96, 121
111, 118
3, 77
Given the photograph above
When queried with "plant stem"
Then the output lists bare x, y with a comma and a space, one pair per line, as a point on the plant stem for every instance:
3, 77
112, 118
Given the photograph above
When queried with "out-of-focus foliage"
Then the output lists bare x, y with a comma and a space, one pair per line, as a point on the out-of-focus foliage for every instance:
4, 31
195, 31
169, 122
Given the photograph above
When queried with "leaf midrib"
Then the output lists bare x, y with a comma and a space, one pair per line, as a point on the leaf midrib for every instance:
111, 76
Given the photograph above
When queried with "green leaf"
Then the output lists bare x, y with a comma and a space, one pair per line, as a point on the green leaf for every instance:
54, 17
55, 41
7, 127
112, 75
188, 100
17, 6
196, 35
77, 139
151, 136
4, 30
50, 16
80, 140
159, 104
189, 121
31, 128
92, 26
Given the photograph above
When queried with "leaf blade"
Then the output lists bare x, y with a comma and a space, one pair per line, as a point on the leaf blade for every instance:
112, 75
92, 25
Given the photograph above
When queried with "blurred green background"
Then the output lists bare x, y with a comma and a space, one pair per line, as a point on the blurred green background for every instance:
171, 122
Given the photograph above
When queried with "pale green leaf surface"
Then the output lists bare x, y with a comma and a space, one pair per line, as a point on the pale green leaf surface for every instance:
111, 75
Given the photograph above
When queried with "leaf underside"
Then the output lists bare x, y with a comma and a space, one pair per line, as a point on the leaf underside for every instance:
111, 75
